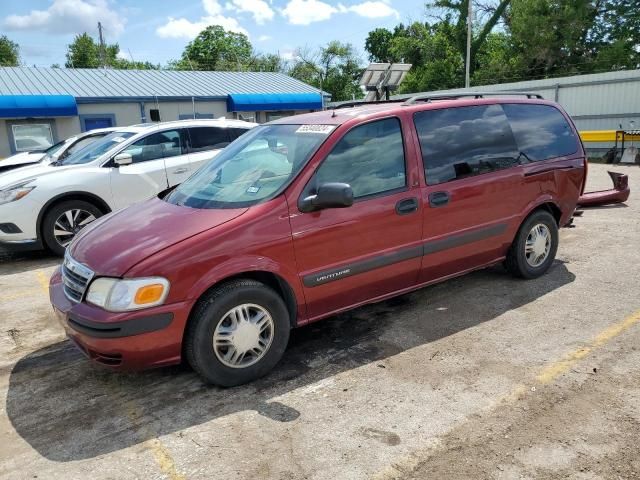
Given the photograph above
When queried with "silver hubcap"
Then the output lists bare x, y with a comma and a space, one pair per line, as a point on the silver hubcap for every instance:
243, 336
538, 245
70, 223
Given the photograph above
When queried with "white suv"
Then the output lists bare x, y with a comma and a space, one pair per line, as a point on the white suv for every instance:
46, 205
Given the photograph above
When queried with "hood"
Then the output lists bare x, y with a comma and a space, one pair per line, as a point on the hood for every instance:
31, 172
23, 158
113, 245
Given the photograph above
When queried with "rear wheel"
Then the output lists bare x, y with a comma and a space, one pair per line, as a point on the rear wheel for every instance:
63, 221
237, 333
534, 247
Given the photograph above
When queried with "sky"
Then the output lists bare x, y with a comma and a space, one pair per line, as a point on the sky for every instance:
158, 30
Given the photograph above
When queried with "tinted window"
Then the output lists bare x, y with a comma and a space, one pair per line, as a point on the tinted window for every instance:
208, 138
541, 131
465, 141
236, 132
370, 158
154, 146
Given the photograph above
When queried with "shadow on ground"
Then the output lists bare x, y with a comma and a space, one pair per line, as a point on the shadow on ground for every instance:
68, 410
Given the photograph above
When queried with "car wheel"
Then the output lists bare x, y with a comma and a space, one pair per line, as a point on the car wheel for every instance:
63, 221
237, 333
534, 247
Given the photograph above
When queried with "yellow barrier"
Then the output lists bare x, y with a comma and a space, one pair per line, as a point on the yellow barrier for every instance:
605, 136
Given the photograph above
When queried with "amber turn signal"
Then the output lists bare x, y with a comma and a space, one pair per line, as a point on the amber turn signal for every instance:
149, 294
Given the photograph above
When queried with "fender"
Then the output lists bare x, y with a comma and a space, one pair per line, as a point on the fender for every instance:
237, 266
539, 201
99, 202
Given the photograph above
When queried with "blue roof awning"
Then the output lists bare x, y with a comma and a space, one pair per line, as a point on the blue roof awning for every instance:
18, 106
251, 102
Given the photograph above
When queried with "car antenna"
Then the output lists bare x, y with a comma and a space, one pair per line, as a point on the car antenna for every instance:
334, 115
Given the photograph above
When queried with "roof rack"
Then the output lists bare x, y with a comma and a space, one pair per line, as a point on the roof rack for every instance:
450, 96
357, 103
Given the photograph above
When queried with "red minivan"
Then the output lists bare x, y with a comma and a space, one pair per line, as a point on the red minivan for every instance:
311, 215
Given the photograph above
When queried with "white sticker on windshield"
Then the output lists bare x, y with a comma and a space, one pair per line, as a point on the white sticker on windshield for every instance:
324, 129
118, 139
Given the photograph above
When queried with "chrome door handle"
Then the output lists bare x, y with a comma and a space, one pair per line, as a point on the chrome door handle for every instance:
180, 170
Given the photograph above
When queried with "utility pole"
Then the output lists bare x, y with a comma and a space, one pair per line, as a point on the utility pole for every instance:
102, 59
467, 68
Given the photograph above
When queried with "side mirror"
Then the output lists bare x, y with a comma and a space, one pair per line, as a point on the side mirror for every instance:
123, 159
329, 195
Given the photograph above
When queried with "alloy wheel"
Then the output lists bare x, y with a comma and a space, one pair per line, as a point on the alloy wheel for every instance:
69, 223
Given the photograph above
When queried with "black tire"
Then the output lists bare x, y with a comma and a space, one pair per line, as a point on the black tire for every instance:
210, 311
516, 262
54, 213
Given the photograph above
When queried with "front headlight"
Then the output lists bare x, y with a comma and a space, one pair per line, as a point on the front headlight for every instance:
16, 192
118, 295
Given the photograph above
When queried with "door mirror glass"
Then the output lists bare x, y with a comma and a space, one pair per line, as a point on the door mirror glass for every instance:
123, 159
329, 195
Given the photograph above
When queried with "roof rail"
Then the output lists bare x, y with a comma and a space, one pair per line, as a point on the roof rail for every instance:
450, 96
357, 103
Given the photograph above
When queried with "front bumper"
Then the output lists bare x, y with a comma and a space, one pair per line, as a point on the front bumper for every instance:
123, 341
22, 214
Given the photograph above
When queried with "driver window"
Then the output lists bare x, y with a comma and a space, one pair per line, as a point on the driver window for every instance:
370, 158
154, 146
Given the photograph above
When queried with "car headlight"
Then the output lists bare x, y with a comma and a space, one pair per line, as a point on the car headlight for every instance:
15, 192
117, 295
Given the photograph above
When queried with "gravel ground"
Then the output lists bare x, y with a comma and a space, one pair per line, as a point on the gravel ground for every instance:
479, 377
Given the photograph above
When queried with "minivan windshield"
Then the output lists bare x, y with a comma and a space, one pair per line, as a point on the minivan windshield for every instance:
253, 168
96, 149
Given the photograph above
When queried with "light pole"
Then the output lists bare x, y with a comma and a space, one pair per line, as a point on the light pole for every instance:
468, 59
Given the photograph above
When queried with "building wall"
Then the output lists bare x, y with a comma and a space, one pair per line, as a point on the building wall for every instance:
125, 113
5, 151
172, 110
600, 101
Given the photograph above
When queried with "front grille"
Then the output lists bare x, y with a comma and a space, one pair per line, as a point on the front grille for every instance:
76, 278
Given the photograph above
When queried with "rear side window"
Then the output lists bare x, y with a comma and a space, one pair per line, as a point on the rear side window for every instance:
236, 132
370, 158
208, 138
465, 141
541, 131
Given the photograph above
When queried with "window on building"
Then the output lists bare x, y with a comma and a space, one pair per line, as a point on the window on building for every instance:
541, 131
207, 138
370, 158
465, 141
276, 115
189, 116
32, 136
154, 146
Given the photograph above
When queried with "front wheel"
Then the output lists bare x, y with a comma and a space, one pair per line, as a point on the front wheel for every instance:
535, 246
237, 333
63, 221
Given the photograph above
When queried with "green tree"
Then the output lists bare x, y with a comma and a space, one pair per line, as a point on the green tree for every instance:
456, 13
216, 49
9, 52
334, 68
378, 44
84, 52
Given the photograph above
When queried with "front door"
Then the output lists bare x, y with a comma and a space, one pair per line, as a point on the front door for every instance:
475, 189
156, 158
347, 256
